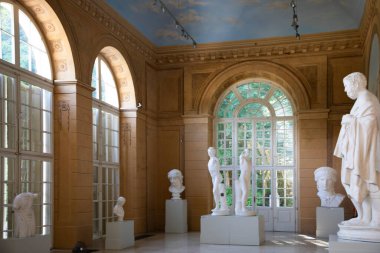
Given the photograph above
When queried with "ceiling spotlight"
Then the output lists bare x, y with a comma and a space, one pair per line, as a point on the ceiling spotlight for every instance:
295, 19
178, 25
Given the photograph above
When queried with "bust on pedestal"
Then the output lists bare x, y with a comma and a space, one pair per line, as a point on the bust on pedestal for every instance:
326, 178
176, 208
120, 234
176, 183
218, 188
329, 214
359, 147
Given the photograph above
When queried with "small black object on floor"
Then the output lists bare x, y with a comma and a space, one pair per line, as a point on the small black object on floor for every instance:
80, 247
139, 237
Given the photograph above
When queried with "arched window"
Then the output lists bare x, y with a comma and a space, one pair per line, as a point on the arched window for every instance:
26, 150
105, 122
258, 116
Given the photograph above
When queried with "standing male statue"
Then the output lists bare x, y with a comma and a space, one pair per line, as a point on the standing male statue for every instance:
359, 147
243, 185
218, 188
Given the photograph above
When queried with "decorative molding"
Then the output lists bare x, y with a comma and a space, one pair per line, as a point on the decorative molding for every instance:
326, 43
64, 107
314, 114
368, 15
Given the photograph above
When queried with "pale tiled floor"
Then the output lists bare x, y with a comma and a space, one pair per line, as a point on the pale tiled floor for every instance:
275, 242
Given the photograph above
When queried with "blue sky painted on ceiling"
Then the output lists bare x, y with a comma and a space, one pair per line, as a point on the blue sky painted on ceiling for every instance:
231, 20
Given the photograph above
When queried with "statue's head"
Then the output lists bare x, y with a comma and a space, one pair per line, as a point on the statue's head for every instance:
325, 178
121, 201
211, 151
175, 178
353, 83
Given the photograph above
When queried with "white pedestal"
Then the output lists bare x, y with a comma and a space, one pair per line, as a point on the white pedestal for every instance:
328, 219
337, 245
176, 216
233, 230
38, 243
120, 234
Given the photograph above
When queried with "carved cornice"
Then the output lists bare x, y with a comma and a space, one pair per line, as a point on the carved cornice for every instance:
324, 43
108, 18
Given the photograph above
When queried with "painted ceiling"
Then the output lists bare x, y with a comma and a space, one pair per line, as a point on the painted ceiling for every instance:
210, 21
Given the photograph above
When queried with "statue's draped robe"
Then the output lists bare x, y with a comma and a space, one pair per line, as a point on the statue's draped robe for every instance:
359, 147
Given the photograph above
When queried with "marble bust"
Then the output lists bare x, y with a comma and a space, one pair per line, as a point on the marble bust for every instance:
176, 183
118, 208
243, 185
359, 147
326, 178
25, 223
218, 188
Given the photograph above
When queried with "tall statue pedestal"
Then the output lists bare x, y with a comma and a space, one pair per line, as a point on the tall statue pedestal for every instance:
37, 243
232, 230
328, 219
337, 245
120, 234
176, 216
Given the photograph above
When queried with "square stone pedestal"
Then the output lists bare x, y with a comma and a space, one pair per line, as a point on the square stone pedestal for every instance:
120, 234
37, 243
176, 216
337, 245
328, 219
233, 230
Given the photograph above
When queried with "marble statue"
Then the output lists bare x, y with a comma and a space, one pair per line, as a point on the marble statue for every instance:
118, 208
25, 223
326, 178
359, 147
218, 188
176, 183
243, 185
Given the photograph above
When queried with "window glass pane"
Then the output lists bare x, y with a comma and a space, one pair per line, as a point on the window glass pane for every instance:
281, 104
33, 52
36, 120
263, 188
284, 185
254, 90
228, 106
254, 110
95, 79
7, 41
108, 85
224, 143
263, 143
7, 112
284, 143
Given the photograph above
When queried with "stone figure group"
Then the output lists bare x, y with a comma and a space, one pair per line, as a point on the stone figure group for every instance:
359, 147
242, 185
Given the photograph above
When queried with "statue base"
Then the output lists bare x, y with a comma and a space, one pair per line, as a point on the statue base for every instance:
328, 219
359, 233
232, 230
220, 212
337, 245
120, 234
37, 243
176, 216
245, 213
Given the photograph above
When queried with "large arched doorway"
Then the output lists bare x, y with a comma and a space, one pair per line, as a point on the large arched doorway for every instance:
257, 114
